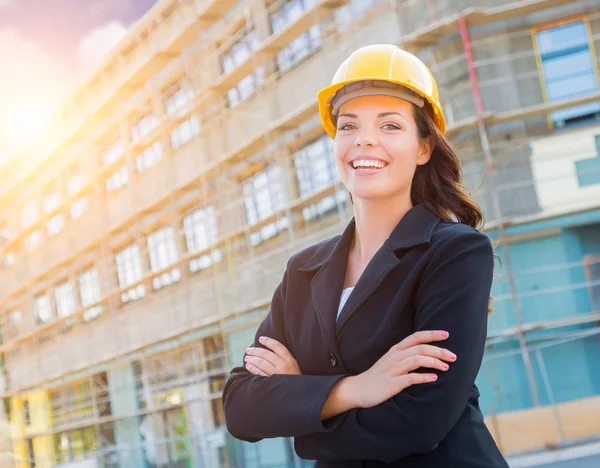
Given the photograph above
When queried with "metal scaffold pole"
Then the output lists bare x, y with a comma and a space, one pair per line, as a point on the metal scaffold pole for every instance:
490, 165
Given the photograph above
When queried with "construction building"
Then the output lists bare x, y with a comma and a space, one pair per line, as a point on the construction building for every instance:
144, 234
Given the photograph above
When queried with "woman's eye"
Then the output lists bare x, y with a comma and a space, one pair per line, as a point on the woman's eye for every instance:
391, 127
345, 127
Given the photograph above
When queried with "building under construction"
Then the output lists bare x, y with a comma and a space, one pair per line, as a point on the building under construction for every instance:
144, 234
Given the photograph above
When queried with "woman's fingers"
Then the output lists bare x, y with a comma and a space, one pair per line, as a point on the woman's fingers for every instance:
275, 346
255, 370
265, 354
415, 378
429, 350
422, 337
265, 366
412, 363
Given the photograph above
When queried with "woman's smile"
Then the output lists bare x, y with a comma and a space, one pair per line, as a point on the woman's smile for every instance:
365, 165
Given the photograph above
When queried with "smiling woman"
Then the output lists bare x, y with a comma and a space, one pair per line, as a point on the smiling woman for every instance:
386, 374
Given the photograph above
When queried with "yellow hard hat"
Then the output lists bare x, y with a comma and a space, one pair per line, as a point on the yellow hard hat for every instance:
380, 69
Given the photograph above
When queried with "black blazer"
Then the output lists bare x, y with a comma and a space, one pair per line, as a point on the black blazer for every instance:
428, 275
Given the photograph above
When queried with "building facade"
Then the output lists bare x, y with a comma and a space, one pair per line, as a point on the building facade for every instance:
144, 234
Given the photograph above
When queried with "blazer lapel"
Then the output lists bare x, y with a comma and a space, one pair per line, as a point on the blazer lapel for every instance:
328, 267
377, 270
415, 228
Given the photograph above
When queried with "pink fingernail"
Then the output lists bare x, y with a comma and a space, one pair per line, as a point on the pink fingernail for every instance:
433, 377
445, 334
445, 366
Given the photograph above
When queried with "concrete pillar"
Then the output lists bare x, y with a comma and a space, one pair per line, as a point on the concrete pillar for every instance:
200, 425
123, 401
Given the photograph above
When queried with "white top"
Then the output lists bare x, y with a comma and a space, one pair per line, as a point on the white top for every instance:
345, 294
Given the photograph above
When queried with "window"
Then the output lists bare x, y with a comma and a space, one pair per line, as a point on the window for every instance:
14, 324
113, 152
89, 293
26, 412
79, 208
568, 71
149, 157
185, 132
143, 127
30, 214
129, 271
11, 325
75, 444
51, 202
179, 98
316, 170
200, 233
65, 303
117, 179
246, 42
315, 166
9, 260
162, 246
264, 196
120, 177
71, 404
162, 369
42, 309
287, 13
592, 267
74, 185
55, 224
33, 240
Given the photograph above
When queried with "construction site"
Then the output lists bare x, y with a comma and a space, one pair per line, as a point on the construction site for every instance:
143, 235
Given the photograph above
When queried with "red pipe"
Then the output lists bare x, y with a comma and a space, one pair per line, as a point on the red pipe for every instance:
464, 33
431, 11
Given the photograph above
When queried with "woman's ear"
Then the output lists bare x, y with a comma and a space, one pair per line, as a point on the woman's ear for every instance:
426, 148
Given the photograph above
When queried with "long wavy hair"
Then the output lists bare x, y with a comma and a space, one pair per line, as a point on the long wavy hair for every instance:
437, 185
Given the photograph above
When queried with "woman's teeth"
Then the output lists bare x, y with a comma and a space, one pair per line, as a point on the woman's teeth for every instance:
367, 163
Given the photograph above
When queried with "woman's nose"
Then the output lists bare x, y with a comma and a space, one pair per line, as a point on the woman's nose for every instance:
365, 140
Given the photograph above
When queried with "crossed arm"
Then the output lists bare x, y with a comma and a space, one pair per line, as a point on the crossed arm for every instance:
460, 273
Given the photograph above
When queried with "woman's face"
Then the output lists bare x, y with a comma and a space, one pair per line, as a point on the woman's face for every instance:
377, 148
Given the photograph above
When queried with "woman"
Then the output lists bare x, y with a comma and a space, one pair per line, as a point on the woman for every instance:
349, 360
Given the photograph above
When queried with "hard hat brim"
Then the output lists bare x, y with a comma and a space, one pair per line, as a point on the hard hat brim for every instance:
324, 96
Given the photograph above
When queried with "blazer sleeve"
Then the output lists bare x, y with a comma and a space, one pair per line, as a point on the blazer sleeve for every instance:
259, 407
453, 295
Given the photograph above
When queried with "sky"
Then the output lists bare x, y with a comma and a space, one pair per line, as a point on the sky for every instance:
47, 47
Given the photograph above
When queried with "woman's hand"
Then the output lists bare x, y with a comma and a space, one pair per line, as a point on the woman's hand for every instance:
392, 372
275, 360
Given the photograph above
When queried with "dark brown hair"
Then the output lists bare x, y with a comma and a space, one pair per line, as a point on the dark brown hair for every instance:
437, 185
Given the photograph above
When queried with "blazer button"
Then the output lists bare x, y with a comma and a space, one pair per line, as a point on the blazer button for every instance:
332, 359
